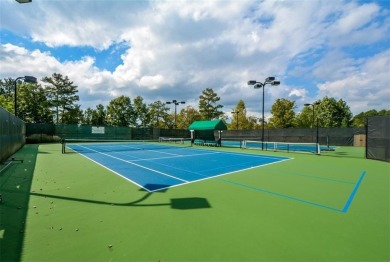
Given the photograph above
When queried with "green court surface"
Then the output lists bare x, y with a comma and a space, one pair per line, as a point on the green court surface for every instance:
332, 207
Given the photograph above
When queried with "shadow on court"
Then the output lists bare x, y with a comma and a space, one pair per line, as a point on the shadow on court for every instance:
176, 203
15, 189
15, 185
346, 152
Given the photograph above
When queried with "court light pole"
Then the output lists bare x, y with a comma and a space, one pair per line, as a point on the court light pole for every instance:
27, 79
176, 103
268, 81
312, 125
236, 112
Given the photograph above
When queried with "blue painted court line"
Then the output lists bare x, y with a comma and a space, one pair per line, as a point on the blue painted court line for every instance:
282, 195
344, 210
352, 196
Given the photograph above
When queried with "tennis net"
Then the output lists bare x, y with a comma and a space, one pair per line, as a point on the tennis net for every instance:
283, 146
105, 146
174, 140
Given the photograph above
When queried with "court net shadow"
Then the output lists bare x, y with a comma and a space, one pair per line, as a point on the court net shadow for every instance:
175, 203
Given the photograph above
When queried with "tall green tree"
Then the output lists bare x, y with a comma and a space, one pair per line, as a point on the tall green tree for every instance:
6, 103
99, 116
7, 86
61, 94
208, 107
255, 122
240, 120
186, 116
359, 120
88, 115
7, 94
73, 116
304, 119
95, 117
332, 113
120, 112
33, 106
283, 114
141, 112
158, 111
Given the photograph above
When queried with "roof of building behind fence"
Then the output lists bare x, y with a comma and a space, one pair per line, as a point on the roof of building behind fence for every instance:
208, 125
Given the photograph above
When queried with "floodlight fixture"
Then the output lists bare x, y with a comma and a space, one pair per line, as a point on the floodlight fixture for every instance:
23, 1
30, 79
270, 79
257, 85
176, 103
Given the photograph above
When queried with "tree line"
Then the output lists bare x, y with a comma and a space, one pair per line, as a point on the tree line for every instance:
56, 101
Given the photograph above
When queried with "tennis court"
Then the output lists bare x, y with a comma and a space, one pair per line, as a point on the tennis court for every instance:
156, 166
172, 203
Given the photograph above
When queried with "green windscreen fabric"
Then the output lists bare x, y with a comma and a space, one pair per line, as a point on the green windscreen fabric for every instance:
208, 125
378, 138
12, 134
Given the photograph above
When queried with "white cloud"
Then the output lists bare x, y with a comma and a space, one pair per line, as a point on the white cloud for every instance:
335, 65
364, 90
356, 17
179, 48
297, 94
152, 82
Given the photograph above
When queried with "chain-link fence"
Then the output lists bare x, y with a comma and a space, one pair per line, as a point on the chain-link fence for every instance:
38, 133
46, 133
326, 136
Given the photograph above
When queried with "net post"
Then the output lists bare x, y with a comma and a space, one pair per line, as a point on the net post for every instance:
318, 147
63, 146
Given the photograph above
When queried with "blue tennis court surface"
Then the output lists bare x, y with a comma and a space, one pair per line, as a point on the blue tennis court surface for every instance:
155, 167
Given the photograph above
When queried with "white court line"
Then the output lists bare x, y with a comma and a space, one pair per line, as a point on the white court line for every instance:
5, 167
100, 164
177, 156
144, 167
161, 152
205, 177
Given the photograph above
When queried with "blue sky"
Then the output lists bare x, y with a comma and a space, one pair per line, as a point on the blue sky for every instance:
164, 50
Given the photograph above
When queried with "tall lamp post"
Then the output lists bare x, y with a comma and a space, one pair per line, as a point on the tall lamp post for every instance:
236, 112
27, 79
176, 103
312, 125
270, 81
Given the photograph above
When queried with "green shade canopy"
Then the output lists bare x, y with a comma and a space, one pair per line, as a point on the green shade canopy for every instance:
208, 125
